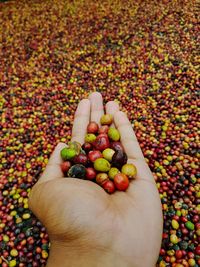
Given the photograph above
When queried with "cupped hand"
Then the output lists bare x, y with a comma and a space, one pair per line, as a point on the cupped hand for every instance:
87, 226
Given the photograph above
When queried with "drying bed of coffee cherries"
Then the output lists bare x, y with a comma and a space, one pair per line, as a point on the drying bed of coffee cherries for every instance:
143, 54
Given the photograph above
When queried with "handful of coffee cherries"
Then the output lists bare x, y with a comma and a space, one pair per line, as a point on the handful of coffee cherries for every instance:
101, 158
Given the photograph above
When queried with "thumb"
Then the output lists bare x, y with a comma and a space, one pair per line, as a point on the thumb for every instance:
53, 170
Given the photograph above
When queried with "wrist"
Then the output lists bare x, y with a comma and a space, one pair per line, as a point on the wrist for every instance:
68, 255
62, 255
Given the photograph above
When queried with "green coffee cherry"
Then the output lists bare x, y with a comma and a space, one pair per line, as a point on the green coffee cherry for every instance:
108, 153
90, 138
113, 134
75, 145
130, 170
106, 119
175, 224
67, 153
101, 165
189, 225
112, 172
174, 239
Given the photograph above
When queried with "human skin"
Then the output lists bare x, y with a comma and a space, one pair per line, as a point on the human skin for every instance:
87, 226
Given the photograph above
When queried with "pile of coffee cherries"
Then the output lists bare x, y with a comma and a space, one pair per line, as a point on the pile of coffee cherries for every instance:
101, 158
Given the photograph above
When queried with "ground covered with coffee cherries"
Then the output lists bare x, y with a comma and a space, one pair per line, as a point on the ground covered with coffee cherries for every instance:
143, 54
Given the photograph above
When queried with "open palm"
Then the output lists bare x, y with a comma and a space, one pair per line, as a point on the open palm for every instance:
87, 224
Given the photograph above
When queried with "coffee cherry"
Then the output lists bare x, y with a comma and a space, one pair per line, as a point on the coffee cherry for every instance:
94, 154
108, 153
179, 254
103, 129
116, 146
113, 134
101, 178
92, 127
90, 173
121, 181
75, 145
65, 166
101, 142
77, 171
90, 138
87, 147
67, 153
80, 159
102, 165
130, 170
109, 186
112, 172
119, 159
106, 119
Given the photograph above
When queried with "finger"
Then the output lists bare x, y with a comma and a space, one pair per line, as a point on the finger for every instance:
81, 120
132, 147
128, 137
53, 170
143, 189
97, 110
111, 108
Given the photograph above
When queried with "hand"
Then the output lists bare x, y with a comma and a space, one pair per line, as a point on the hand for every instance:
87, 226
